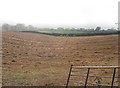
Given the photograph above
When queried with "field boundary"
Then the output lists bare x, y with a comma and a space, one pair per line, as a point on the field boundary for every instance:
72, 35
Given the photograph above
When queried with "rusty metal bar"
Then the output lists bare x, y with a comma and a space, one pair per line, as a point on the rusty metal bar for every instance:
84, 75
113, 77
87, 77
69, 76
96, 67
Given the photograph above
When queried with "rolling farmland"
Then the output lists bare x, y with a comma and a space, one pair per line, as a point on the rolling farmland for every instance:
37, 59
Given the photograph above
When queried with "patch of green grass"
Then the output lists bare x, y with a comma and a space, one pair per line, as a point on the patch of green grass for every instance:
61, 31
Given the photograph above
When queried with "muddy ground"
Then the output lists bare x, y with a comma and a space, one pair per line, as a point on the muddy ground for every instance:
36, 59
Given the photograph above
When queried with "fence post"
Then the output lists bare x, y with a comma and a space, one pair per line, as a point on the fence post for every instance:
69, 76
87, 77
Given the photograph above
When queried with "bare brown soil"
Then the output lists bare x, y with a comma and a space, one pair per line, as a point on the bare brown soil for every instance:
36, 59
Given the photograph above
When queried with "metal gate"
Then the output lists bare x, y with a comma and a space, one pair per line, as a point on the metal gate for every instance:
91, 76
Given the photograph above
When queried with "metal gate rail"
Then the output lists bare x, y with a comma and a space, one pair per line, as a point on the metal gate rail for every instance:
88, 75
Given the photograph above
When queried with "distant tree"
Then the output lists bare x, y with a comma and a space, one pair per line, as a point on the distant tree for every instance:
68, 29
73, 29
60, 28
13, 28
30, 27
6, 27
91, 30
82, 29
112, 29
98, 29
20, 27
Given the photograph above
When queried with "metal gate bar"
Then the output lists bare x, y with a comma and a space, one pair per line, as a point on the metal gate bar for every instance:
69, 76
113, 77
87, 77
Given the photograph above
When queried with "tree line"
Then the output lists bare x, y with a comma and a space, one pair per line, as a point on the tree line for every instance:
17, 27
22, 27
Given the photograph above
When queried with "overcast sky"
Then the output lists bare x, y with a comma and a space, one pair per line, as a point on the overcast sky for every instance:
55, 13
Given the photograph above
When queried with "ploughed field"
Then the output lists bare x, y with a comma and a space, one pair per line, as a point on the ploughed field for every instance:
37, 59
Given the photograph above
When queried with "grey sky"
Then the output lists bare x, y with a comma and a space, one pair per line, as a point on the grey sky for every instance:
55, 13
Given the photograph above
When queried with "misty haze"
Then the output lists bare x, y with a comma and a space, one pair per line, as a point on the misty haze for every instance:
59, 43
